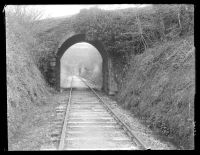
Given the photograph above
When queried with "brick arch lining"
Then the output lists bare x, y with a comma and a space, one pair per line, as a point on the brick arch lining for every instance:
97, 44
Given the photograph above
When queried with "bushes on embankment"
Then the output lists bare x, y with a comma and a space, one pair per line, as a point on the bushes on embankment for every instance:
25, 84
131, 31
159, 88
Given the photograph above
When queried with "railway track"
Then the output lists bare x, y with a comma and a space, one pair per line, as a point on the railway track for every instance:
89, 124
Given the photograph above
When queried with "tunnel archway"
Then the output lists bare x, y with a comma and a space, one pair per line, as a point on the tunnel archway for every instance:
77, 39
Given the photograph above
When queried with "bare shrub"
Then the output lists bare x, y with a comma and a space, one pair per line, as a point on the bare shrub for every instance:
24, 14
23, 20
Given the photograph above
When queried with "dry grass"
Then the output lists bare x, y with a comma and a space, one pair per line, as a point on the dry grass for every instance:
36, 129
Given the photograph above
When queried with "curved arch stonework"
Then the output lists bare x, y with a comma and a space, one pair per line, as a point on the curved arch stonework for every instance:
97, 44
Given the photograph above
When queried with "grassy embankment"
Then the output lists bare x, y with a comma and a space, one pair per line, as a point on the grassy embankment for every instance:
27, 91
160, 87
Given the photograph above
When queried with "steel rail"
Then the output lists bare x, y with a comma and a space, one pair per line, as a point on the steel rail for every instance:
125, 127
62, 138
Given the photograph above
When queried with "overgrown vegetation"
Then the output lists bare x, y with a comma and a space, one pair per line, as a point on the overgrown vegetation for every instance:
26, 87
131, 31
159, 88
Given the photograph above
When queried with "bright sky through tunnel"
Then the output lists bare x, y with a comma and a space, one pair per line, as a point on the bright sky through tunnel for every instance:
81, 59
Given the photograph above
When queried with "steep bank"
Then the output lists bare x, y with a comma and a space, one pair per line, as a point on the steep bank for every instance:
26, 88
159, 88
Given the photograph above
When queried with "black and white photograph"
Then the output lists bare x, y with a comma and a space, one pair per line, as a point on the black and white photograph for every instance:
100, 77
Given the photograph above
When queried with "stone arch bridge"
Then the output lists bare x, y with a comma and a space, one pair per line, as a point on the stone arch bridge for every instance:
109, 85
